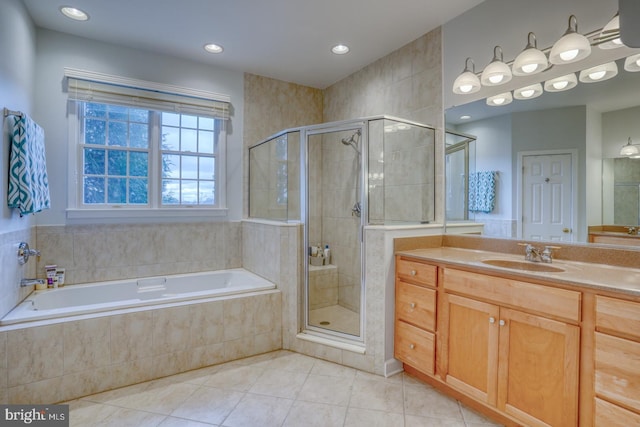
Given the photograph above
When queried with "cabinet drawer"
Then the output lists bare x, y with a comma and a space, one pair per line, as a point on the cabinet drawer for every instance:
416, 272
617, 363
610, 415
527, 296
415, 347
416, 305
618, 315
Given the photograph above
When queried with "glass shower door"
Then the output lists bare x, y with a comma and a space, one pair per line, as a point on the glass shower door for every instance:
333, 297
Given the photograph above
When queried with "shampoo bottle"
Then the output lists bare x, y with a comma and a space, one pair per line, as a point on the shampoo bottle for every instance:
327, 254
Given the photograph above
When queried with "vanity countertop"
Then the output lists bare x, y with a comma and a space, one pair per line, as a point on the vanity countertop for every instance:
596, 276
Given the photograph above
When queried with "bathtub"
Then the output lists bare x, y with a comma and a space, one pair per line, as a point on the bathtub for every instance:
73, 300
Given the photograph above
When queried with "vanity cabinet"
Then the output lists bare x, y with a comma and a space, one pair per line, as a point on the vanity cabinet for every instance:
415, 314
617, 362
513, 345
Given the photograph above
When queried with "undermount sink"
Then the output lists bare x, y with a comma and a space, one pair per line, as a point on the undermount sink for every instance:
523, 265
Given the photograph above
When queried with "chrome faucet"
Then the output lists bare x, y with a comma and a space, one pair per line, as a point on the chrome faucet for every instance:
632, 230
533, 254
29, 282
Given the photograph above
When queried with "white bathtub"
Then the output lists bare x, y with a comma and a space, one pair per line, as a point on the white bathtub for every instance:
74, 300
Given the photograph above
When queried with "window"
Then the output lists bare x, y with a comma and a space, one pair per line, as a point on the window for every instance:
143, 153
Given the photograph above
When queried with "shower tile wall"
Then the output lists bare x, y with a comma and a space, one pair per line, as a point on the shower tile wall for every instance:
94, 253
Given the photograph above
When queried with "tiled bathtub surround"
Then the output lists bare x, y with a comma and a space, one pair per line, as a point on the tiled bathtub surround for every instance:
66, 360
96, 253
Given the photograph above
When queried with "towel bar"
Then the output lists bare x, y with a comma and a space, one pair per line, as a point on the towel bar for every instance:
8, 112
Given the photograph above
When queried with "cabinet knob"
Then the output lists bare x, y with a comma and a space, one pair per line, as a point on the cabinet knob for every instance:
413, 272
492, 320
502, 322
412, 346
412, 305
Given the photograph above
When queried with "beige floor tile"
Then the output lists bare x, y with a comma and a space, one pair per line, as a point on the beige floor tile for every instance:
279, 383
309, 414
416, 421
208, 405
377, 395
329, 390
160, 397
367, 418
340, 319
471, 417
292, 362
235, 377
255, 410
181, 422
112, 416
427, 402
330, 369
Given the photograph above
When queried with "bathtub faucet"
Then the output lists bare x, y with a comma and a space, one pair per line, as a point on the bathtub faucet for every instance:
29, 282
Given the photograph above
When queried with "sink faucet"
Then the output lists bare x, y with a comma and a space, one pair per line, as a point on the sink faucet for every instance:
29, 282
632, 230
533, 254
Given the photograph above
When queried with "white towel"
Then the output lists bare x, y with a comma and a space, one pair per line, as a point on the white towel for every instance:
28, 183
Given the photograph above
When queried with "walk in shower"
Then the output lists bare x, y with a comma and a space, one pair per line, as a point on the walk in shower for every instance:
338, 178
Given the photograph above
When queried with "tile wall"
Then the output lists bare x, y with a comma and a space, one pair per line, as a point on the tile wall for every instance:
64, 360
12, 272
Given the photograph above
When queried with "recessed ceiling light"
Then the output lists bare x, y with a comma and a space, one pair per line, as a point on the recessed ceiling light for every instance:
213, 48
340, 49
74, 13
465, 117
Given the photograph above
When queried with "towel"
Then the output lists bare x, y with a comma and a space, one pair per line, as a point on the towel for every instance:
28, 183
482, 191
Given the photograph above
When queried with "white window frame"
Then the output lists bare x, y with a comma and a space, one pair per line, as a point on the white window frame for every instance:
77, 211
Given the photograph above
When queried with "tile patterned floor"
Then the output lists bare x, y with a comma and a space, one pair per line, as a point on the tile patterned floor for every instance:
280, 389
340, 319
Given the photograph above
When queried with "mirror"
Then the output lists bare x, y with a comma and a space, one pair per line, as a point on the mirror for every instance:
590, 122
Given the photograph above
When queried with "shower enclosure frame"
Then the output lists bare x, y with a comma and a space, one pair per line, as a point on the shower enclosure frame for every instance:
325, 128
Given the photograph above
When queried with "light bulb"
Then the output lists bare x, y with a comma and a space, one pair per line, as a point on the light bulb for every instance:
569, 54
496, 79
597, 75
527, 93
498, 101
638, 62
466, 88
529, 68
560, 85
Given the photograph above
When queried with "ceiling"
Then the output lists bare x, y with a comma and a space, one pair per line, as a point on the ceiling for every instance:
288, 40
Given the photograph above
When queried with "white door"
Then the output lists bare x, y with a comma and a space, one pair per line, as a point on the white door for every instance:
547, 197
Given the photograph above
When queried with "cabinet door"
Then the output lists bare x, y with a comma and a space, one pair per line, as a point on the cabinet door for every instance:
471, 347
618, 370
538, 369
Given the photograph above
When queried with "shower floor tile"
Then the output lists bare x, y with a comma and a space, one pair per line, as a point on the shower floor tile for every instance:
339, 319
281, 389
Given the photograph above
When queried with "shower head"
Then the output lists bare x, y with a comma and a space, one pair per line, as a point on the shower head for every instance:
351, 140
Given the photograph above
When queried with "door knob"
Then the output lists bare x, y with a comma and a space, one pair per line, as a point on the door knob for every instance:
566, 230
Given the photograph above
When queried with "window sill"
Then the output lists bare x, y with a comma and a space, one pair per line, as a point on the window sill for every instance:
145, 214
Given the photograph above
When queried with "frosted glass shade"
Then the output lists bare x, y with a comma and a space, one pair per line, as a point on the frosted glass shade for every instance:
599, 73
612, 27
529, 61
570, 48
496, 73
632, 63
500, 100
528, 92
466, 83
561, 83
629, 149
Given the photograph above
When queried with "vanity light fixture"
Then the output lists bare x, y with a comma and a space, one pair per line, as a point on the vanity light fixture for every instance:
561, 83
465, 117
531, 60
468, 81
528, 92
599, 73
340, 49
500, 100
629, 149
497, 72
213, 48
610, 35
74, 13
632, 63
571, 47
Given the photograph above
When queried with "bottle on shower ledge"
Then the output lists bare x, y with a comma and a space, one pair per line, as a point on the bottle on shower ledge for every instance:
327, 255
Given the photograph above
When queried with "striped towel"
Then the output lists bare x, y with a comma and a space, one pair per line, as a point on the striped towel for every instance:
482, 191
28, 183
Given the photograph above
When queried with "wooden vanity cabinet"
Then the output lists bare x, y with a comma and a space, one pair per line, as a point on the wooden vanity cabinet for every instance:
504, 351
415, 314
617, 362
